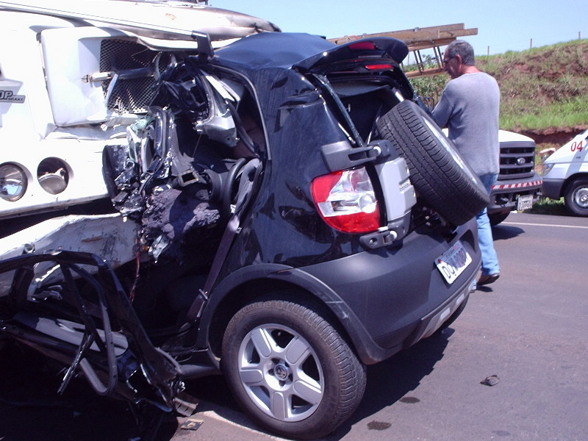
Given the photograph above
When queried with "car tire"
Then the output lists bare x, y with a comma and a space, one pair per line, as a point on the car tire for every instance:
576, 197
437, 171
290, 370
497, 218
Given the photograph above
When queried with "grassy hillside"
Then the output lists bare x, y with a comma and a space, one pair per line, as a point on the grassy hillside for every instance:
544, 90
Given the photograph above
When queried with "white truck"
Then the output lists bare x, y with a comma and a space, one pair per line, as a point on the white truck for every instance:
565, 174
518, 185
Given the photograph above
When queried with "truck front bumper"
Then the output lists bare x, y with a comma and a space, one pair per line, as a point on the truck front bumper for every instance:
504, 196
552, 188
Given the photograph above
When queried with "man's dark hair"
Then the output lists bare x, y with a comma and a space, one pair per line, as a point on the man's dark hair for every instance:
463, 49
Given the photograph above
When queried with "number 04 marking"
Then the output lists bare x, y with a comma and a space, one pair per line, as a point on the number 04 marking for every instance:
578, 145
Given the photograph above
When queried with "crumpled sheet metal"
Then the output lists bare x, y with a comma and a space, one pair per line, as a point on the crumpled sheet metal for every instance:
157, 20
171, 215
108, 236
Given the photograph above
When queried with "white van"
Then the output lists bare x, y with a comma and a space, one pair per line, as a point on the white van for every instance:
565, 173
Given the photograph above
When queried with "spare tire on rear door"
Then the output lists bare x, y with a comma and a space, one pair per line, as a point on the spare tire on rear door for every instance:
441, 177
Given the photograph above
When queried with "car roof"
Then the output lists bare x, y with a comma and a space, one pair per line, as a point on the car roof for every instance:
305, 51
272, 50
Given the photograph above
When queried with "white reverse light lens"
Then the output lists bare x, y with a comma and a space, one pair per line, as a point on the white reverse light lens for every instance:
13, 182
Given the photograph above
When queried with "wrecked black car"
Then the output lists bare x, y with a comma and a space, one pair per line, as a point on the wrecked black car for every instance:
279, 209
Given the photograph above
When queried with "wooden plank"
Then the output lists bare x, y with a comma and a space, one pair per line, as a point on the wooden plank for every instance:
420, 45
421, 38
424, 72
440, 39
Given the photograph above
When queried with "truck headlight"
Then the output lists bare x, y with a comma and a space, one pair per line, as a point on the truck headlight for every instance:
13, 182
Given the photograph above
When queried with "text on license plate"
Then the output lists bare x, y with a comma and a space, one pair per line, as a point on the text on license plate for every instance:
525, 202
453, 262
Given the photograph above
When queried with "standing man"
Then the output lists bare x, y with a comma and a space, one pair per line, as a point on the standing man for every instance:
469, 108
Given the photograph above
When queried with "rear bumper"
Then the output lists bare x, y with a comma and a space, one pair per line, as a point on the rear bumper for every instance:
390, 299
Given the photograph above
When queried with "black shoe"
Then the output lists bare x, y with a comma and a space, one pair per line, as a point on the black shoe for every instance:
486, 279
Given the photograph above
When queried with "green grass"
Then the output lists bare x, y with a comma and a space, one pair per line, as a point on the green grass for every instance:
571, 113
549, 206
543, 87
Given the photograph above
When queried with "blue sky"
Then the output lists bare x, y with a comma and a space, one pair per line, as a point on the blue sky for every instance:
503, 25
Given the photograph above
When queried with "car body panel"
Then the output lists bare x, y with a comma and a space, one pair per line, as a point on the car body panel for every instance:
566, 163
157, 20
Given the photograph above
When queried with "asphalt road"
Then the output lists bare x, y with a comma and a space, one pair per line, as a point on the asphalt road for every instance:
527, 332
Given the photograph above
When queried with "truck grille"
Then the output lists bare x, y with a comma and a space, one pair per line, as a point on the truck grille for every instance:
517, 160
134, 89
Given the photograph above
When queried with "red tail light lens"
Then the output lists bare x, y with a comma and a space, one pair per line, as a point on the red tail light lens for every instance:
346, 201
379, 66
362, 46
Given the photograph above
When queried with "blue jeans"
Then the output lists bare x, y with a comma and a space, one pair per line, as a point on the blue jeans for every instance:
485, 240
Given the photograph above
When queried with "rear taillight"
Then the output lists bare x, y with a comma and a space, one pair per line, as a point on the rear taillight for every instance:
382, 66
346, 201
362, 46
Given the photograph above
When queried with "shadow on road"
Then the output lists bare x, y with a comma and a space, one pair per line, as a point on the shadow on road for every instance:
30, 409
502, 232
394, 379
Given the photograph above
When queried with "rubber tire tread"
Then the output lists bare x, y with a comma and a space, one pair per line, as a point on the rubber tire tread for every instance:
345, 376
497, 218
449, 187
569, 197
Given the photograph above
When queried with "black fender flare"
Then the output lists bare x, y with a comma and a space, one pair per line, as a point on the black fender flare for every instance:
362, 342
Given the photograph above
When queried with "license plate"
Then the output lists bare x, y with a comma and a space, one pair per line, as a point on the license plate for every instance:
525, 202
453, 262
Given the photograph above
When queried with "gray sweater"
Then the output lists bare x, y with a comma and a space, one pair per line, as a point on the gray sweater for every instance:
469, 108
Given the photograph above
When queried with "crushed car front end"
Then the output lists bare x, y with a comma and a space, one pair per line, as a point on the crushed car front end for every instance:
278, 177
